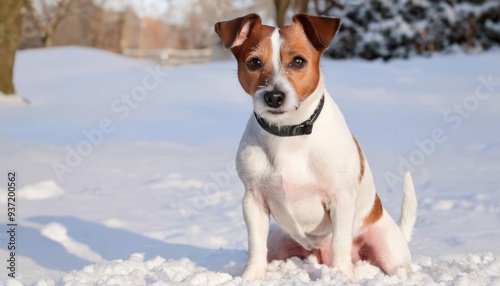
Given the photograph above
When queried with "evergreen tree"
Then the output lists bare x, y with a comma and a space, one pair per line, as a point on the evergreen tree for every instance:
387, 29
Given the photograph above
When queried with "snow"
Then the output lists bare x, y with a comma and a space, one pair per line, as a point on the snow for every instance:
40, 191
58, 233
477, 269
157, 270
11, 99
493, 26
154, 197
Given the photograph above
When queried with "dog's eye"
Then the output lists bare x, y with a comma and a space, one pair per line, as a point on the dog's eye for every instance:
297, 63
254, 64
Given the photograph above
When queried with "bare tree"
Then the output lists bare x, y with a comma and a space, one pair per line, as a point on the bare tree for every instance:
327, 6
282, 6
46, 16
109, 30
87, 13
196, 29
10, 33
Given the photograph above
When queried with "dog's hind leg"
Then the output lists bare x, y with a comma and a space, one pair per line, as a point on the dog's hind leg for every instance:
384, 245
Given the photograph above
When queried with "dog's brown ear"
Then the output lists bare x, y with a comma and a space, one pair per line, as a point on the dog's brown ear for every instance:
319, 30
234, 32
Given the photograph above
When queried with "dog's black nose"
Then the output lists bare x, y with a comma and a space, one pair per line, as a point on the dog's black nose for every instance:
274, 98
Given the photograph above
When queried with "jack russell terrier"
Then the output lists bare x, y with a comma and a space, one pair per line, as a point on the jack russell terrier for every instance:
300, 163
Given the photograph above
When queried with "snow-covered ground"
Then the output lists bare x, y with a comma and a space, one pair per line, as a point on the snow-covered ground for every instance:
126, 172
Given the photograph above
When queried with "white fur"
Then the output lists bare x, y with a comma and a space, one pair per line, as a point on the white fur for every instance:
276, 42
279, 81
408, 208
310, 184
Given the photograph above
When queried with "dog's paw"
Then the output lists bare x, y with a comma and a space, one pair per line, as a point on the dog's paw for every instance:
346, 271
254, 273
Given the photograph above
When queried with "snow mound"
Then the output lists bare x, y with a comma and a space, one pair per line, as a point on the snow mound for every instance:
136, 271
41, 191
474, 269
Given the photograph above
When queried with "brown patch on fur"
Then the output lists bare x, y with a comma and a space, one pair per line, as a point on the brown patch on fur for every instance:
319, 30
296, 44
250, 80
257, 44
361, 160
375, 213
231, 31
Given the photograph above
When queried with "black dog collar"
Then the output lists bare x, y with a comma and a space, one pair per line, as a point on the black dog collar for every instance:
304, 128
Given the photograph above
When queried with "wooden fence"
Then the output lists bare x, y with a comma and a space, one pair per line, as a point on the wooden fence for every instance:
172, 57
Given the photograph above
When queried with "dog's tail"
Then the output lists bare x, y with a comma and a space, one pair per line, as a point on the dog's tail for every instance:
408, 208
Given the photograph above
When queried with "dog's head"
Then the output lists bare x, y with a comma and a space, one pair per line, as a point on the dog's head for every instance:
278, 67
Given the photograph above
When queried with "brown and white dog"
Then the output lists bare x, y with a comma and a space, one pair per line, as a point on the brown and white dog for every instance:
316, 183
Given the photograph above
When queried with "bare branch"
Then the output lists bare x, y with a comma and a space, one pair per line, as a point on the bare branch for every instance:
34, 18
49, 16
329, 5
62, 11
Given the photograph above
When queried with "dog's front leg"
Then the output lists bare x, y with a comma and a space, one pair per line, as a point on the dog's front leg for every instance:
342, 216
256, 216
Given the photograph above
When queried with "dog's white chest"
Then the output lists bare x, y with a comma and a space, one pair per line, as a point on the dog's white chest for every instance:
298, 195
299, 209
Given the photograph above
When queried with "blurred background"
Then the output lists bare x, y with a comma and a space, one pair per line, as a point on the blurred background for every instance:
180, 31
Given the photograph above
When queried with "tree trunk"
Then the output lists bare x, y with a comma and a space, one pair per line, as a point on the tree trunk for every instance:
47, 40
10, 35
281, 7
303, 5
